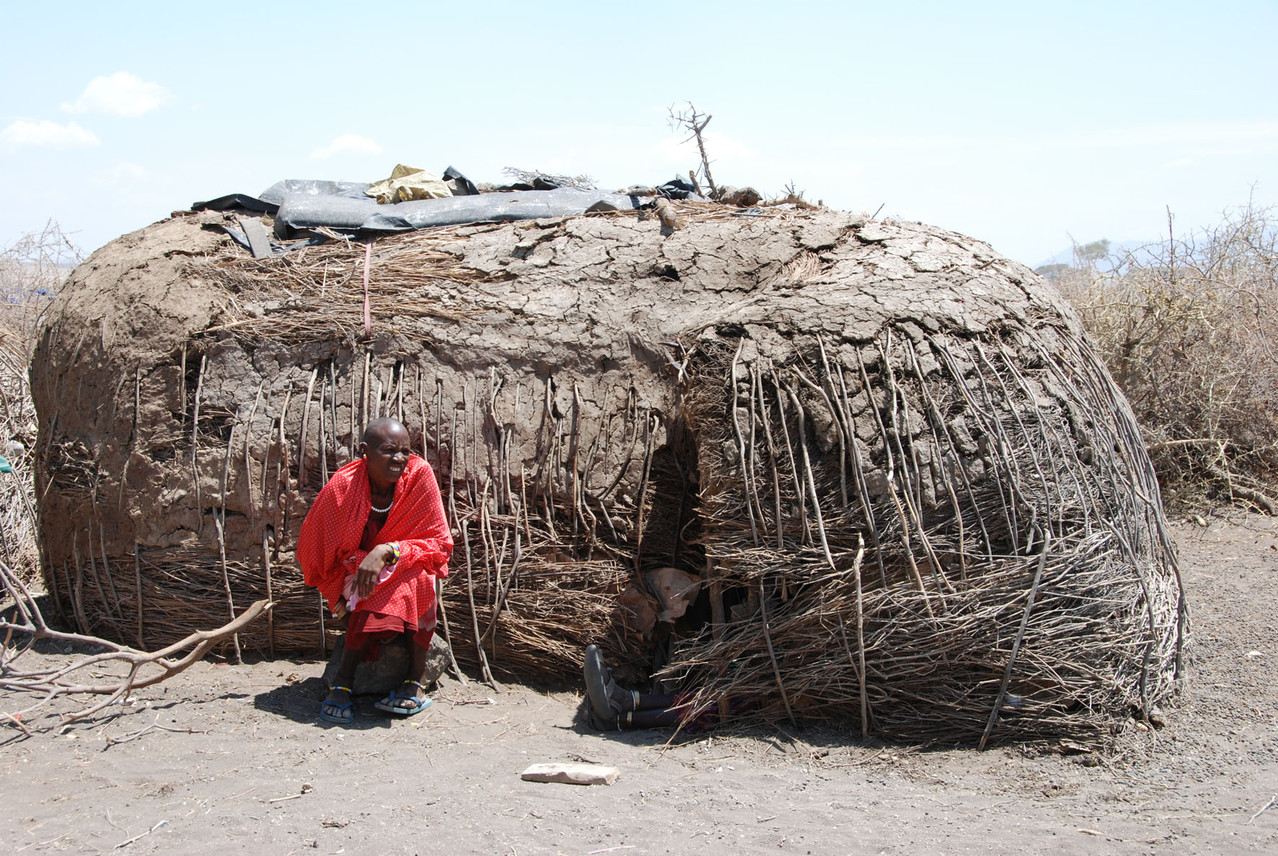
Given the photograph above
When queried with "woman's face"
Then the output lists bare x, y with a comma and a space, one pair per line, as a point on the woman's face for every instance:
386, 454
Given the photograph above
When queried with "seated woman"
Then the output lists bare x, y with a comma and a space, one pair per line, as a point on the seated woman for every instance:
374, 543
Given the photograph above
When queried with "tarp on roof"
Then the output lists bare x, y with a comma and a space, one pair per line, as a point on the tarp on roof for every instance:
303, 210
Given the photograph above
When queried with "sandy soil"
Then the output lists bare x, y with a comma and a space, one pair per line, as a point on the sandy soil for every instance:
223, 759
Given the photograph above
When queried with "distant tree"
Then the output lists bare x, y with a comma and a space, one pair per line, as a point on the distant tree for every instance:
1096, 250
32, 270
1089, 255
1054, 272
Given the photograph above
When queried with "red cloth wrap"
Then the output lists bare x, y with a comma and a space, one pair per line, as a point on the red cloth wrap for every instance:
328, 547
368, 630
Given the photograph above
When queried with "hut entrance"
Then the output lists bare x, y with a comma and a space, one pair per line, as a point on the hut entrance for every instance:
671, 552
672, 532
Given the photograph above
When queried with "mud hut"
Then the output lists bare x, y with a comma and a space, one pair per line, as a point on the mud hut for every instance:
908, 496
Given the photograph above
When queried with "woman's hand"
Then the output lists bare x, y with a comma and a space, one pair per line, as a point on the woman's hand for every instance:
371, 568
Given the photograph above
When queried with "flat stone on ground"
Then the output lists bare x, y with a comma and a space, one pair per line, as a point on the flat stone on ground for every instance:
571, 773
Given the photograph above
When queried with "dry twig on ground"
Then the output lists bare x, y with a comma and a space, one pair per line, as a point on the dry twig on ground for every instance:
47, 683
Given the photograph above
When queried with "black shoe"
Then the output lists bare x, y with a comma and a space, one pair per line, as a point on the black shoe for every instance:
600, 687
599, 723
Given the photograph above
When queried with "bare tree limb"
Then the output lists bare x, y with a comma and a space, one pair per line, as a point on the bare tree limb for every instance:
27, 622
695, 123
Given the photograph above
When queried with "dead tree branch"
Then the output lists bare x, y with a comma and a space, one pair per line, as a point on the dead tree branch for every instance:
695, 123
142, 668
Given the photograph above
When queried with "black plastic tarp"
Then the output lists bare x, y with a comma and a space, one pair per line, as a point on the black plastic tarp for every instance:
313, 187
310, 209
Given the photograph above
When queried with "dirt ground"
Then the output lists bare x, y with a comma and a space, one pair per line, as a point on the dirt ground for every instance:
225, 758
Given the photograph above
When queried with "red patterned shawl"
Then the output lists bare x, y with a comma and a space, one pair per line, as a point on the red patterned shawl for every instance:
328, 545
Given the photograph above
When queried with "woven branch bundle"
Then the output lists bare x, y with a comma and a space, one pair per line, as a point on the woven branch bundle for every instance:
1005, 518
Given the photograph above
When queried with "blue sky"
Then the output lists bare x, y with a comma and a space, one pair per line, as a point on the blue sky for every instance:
1022, 124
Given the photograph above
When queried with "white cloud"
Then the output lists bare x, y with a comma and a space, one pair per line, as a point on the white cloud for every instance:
121, 94
41, 133
347, 143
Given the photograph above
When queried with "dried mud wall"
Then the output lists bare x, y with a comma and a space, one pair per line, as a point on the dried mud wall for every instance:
908, 486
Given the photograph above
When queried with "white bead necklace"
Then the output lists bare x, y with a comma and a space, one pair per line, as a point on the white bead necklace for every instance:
381, 510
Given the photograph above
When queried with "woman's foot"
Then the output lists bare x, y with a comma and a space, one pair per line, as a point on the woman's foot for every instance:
337, 706
409, 699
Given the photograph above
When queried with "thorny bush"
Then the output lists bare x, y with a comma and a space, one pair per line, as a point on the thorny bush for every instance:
1187, 328
31, 272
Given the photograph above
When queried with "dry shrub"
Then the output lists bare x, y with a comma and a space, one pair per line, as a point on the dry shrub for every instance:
31, 272
1187, 328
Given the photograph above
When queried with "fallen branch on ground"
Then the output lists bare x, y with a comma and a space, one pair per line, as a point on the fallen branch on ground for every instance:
155, 726
1263, 809
27, 623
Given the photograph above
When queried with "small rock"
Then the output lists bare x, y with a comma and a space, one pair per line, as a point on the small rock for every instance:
743, 197
571, 773
378, 677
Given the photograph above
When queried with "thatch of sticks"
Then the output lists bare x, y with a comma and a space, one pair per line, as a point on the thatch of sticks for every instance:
918, 504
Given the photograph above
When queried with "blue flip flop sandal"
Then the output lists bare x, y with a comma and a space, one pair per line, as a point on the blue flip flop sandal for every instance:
341, 709
391, 705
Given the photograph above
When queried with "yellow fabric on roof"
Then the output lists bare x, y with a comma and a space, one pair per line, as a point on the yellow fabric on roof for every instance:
408, 182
